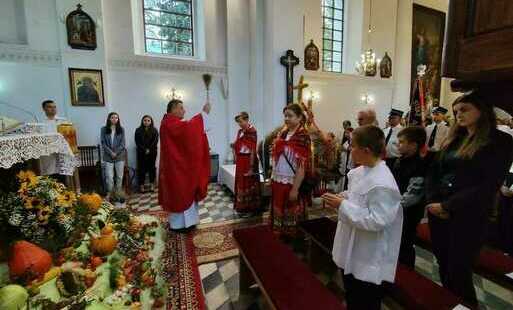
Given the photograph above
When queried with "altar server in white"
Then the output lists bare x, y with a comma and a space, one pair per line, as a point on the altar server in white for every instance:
368, 235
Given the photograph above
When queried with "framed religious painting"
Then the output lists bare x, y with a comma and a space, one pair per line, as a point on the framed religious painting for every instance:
81, 30
427, 44
86, 87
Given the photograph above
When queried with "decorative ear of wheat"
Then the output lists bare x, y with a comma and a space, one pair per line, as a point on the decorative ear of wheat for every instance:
207, 78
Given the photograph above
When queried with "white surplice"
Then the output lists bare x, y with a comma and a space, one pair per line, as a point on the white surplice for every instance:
189, 217
369, 225
48, 164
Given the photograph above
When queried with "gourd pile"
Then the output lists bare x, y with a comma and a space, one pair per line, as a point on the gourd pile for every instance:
109, 261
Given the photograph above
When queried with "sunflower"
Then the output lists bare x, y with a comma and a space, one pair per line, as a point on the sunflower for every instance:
27, 176
43, 214
23, 191
66, 199
32, 202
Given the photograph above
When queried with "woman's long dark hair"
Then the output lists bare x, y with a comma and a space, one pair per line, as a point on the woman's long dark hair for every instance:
119, 129
152, 125
486, 123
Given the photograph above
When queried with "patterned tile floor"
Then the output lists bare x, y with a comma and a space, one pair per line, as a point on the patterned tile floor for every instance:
220, 279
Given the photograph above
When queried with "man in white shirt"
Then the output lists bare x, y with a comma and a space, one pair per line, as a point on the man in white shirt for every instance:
48, 163
391, 142
51, 119
438, 131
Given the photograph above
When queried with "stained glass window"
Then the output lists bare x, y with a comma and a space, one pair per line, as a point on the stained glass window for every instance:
333, 34
168, 27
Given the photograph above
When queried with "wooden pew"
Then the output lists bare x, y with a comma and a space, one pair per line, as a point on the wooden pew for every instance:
285, 281
491, 263
410, 289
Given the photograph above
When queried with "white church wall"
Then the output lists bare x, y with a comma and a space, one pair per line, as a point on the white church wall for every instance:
340, 93
238, 58
45, 60
138, 83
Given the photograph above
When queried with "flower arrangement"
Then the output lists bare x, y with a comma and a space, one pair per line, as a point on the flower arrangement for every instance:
42, 211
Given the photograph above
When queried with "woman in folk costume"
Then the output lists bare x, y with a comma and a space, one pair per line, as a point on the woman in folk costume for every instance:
247, 179
291, 163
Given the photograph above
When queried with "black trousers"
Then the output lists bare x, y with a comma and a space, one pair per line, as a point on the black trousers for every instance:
146, 165
361, 295
456, 249
411, 218
505, 224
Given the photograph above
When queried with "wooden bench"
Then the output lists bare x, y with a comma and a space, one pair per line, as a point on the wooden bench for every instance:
491, 263
285, 281
410, 289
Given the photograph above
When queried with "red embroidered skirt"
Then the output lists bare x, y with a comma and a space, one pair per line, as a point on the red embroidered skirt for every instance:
247, 187
285, 214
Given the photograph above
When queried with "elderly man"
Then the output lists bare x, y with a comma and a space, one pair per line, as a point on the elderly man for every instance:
366, 117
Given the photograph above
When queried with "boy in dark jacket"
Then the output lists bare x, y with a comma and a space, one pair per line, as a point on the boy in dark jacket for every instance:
409, 172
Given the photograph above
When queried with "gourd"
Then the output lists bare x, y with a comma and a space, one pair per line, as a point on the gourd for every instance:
28, 261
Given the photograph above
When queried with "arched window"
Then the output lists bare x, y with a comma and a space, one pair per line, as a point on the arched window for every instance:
169, 27
332, 34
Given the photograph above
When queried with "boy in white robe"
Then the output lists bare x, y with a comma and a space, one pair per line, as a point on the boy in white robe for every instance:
368, 236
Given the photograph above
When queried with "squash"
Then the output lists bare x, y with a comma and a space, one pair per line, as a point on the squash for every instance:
92, 201
107, 229
28, 261
103, 245
13, 297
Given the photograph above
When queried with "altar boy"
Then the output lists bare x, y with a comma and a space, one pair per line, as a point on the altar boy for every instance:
368, 235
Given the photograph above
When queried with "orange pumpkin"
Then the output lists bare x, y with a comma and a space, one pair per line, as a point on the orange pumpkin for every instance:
103, 245
107, 229
28, 261
91, 201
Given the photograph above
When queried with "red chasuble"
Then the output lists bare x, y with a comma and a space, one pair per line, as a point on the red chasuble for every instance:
184, 163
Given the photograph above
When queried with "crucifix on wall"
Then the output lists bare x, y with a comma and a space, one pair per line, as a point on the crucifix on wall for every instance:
289, 60
300, 88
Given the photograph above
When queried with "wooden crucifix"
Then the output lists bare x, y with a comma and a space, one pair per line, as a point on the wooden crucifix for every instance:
289, 60
300, 88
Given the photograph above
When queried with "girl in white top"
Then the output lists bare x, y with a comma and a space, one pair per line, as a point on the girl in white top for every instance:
370, 220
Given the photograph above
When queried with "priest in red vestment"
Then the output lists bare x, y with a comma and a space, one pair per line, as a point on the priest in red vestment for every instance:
184, 165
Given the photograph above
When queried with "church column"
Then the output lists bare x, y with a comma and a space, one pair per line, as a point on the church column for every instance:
238, 59
283, 30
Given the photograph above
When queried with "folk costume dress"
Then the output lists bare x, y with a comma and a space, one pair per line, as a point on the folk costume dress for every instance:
294, 147
247, 179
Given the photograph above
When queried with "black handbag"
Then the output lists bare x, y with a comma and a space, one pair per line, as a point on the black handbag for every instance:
309, 182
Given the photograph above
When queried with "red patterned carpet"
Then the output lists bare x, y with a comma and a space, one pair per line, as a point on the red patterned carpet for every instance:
214, 241
181, 271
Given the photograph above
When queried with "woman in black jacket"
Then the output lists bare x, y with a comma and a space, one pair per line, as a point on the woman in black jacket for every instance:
461, 187
146, 140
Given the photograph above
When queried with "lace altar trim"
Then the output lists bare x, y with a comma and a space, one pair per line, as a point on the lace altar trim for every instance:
19, 148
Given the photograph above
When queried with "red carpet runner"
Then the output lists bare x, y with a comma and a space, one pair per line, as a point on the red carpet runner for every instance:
181, 271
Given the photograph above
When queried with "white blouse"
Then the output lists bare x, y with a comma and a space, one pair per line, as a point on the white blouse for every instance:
282, 173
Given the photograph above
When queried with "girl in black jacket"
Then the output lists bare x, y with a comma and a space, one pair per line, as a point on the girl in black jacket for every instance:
462, 185
146, 140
